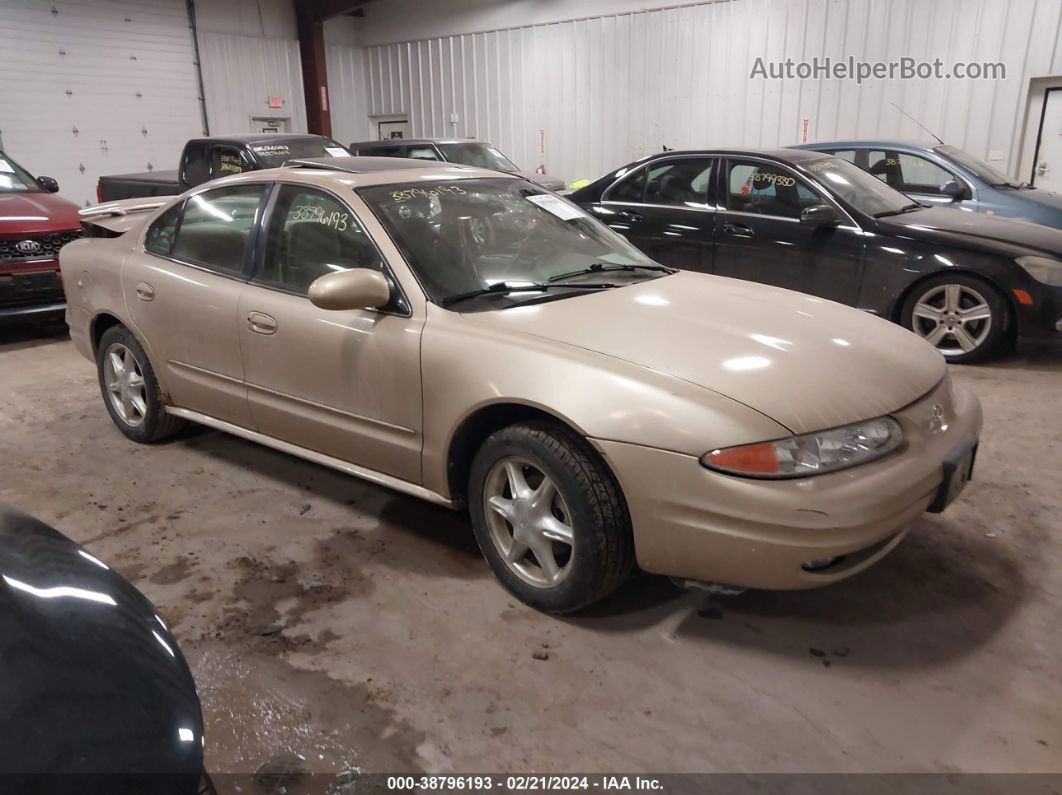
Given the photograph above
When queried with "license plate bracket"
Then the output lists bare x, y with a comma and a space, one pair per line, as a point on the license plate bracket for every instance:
958, 471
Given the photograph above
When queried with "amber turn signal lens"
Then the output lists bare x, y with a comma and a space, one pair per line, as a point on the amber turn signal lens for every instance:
755, 459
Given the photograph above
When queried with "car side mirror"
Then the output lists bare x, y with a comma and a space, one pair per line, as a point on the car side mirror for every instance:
48, 184
357, 288
953, 188
819, 216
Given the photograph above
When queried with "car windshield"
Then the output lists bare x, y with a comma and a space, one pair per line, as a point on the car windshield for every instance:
997, 179
465, 236
272, 155
14, 178
480, 155
854, 186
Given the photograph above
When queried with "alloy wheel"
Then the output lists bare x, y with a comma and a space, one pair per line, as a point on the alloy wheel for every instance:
954, 318
529, 522
125, 384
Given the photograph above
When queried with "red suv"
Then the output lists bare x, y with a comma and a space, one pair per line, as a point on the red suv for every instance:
34, 224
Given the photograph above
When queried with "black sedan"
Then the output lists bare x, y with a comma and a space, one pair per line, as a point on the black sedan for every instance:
965, 282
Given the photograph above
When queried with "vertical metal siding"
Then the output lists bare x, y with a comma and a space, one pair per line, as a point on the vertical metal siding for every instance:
611, 88
240, 73
347, 89
99, 87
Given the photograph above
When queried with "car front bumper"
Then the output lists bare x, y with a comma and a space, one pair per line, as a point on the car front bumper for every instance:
693, 523
1041, 320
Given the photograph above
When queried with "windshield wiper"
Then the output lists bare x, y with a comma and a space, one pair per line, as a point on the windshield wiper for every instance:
603, 267
906, 208
516, 287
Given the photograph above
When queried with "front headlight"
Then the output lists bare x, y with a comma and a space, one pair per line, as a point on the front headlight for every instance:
1044, 269
811, 453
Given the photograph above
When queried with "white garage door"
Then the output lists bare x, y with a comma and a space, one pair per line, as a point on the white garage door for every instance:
96, 87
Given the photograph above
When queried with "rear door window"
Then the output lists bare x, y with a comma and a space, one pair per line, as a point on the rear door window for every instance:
216, 227
682, 182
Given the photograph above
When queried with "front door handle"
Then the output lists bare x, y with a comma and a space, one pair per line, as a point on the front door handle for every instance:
738, 230
261, 323
145, 292
630, 215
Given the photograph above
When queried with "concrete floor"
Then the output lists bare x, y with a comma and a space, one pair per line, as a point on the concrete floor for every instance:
353, 626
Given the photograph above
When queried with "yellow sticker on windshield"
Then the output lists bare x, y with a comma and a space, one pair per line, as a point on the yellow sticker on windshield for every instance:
426, 193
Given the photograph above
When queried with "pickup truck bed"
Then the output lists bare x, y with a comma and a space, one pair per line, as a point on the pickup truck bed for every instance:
129, 186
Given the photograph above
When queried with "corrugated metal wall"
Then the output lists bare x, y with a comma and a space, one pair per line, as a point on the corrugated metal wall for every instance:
241, 73
347, 90
90, 87
607, 89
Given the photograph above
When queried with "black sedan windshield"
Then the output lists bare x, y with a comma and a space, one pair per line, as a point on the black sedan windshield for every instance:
270, 154
466, 236
477, 154
854, 186
14, 178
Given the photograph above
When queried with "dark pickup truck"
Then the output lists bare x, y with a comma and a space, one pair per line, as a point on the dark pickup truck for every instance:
204, 159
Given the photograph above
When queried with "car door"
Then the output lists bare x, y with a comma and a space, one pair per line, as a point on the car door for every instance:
919, 177
183, 290
663, 209
759, 235
343, 383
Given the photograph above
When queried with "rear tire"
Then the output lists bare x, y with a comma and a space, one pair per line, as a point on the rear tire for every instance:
560, 538
130, 390
962, 316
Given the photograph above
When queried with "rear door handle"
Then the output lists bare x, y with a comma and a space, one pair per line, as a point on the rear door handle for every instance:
145, 292
738, 230
630, 215
262, 323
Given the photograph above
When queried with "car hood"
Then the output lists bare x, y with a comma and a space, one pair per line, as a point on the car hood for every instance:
546, 181
36, 213
93, 680
1040, 206
976, 231
805, 362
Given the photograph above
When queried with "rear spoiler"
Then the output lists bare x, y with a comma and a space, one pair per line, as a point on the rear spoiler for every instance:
119, 216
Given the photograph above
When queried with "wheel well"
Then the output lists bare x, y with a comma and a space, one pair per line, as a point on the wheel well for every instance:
475, 429
100, 324
897, 309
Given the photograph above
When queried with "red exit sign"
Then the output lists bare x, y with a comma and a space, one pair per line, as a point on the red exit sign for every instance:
276, 102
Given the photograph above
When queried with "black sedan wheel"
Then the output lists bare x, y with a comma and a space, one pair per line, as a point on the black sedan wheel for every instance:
961, 316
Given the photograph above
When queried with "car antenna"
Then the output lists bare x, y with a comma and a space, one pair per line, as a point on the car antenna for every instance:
916, 121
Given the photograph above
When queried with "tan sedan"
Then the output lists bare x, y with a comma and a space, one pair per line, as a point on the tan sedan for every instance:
472, 339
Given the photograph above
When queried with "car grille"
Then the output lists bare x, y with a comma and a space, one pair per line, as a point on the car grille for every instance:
47, 245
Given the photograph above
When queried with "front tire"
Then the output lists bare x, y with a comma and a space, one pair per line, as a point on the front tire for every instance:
549, 517
130, 390
963, 317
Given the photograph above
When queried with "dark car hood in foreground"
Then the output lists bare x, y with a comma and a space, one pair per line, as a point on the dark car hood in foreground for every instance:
92, 680
36, 212
976, 231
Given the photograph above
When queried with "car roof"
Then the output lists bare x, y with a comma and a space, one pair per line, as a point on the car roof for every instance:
401, 141
788, 155
865, 143
362, 172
